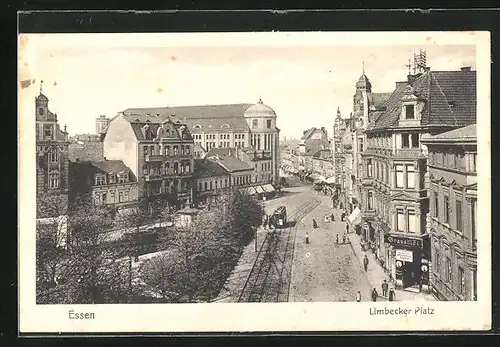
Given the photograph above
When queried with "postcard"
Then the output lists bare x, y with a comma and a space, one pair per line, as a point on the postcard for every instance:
259, 182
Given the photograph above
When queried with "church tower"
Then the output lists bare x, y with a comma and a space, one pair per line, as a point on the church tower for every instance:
361, 100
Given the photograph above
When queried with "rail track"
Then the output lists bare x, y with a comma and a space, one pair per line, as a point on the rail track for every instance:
269, 277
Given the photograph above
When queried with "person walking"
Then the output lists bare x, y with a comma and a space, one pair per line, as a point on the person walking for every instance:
315, 224
365, 262
385, 287
374, 294
337, 239
343, 238
307, 237
358, 296
265, 222
392, 293
346, 227
332, 217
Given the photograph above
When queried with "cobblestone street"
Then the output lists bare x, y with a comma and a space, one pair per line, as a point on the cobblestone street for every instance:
322, 270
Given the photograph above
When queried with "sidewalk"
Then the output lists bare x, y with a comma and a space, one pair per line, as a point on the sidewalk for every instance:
376, 274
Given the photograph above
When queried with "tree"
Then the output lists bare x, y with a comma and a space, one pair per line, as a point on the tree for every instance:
246, 214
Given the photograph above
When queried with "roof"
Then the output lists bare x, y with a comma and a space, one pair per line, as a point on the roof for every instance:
109, 166
208, 168
260, 109
363, 81
467, 133
309, 132
138, 121
322, 154
229, 163
379, 99
209, 117
450, 99
220, 151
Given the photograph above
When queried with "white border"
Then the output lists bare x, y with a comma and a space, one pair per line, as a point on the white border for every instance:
255, 317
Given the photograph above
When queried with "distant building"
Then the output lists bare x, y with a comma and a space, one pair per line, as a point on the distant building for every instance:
107, 183
322, 165
211, 179
52, 167
226, 126
452, 218
86, 147
101, 124
159, 152
312, 140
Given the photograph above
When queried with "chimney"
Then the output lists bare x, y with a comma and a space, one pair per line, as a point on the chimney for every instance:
465, 68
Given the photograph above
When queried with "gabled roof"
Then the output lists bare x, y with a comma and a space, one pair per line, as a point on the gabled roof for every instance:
209, 117
109, 166
208, 168
450, 99
379, 99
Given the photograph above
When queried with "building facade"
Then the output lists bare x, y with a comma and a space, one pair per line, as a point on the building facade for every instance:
52, 170
322, 164
159, 152
394, 164
211, 181
108, 183
86, 147
452, 219
227, 126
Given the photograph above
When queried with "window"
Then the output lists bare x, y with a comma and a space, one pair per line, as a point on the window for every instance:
120, 197
458, 215
400, 220
438, 262
176, 168
405, 140
225, 182
370, 200
100, 180
126, 195
187, 150
188, 168
199, 186
410, 112
104, 197
146, 150
113, 197
436, 205
399, 176
412, 222
54, 180
53, 155
410, 176
446, 209
40, 111
255, 123
210, 185
145, 170
206, 186
448, 270
474, 158
461, 279
176, 150
268, 123
473, 222
474, 285
48, 131
216, 186
167, 150
369, 169
414, 140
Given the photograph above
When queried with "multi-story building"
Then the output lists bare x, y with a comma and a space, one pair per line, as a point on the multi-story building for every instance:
322, 164
240, 173
211, 180
452, 219
227, 126
52, 167
86, 147
394, 196
339, 127
159, 152
312, 140
108, 183
101, 124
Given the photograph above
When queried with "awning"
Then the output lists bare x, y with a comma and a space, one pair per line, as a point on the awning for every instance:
268, 188
355, 217
247, 191
259, 189
331, 180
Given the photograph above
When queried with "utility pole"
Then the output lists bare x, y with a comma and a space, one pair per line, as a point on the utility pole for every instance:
255, 239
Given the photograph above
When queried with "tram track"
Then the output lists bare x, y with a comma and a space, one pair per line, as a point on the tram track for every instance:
269, 277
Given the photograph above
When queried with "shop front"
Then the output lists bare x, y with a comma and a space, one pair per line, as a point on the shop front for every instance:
407, 260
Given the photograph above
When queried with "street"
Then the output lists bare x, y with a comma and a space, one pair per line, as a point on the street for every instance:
322, 270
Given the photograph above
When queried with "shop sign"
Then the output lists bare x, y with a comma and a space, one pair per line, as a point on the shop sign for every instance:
403, 241
404, 255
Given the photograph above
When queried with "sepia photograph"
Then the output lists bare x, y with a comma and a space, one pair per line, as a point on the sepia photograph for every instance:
196, 175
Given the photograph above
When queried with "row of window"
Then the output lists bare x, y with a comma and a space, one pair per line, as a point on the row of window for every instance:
410, 140
167, 150
166, 188
167, 168
215, 184
263, 166
101, 179
444, 268
54, 180
406, 221
261, 141
255, 123
379, 141
460, 161
102, 198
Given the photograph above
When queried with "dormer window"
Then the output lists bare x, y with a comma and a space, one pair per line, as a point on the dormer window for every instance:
123, 177
111, 178
409, 111
100, 180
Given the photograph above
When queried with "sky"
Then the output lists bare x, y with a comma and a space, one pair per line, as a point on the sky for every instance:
84, 77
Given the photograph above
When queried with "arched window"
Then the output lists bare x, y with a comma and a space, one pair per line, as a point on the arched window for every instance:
182, 150
53, 155
176, 150
176, 168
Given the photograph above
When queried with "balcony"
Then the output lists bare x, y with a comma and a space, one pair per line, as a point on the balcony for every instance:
153, 177
411, 153
378, 151
154, 157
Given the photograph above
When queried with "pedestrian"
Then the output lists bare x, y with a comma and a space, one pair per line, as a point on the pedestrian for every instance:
385, 287
392, 294
358, 296
315, 224
346, 227
332, 217
265, 222
307, 237
374, 294
343, 238
337, 239
365, 262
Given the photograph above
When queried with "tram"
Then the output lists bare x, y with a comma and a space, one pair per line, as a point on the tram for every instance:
278, 218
